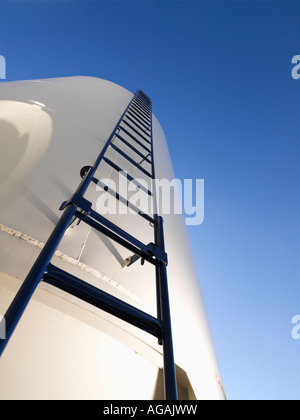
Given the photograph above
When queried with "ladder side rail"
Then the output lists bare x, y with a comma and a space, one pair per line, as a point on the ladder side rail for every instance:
162, 294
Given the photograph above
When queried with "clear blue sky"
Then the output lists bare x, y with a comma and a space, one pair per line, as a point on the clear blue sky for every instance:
219, 75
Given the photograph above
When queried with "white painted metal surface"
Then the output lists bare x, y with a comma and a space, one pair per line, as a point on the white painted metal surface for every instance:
64, 348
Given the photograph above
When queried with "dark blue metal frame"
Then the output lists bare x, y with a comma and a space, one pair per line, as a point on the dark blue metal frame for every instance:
154, 253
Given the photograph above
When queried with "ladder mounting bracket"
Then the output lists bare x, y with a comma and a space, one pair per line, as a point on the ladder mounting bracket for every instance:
156, 252
81, 203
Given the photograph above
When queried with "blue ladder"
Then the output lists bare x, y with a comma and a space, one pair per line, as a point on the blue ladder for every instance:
135, 124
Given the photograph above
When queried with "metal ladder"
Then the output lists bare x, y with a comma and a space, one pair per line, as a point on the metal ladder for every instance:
134, 124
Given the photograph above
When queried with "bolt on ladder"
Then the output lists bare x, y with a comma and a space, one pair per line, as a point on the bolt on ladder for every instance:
135, 124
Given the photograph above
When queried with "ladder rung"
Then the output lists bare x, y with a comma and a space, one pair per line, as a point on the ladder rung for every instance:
125, 174
100, 223
135, 130
102, 300
138, 109
140, 98
133, 245
133, 148
141, 105
124, 201
135, 139
138, 119
130, 160
134, 109
146, 114
144, 96
137, 125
